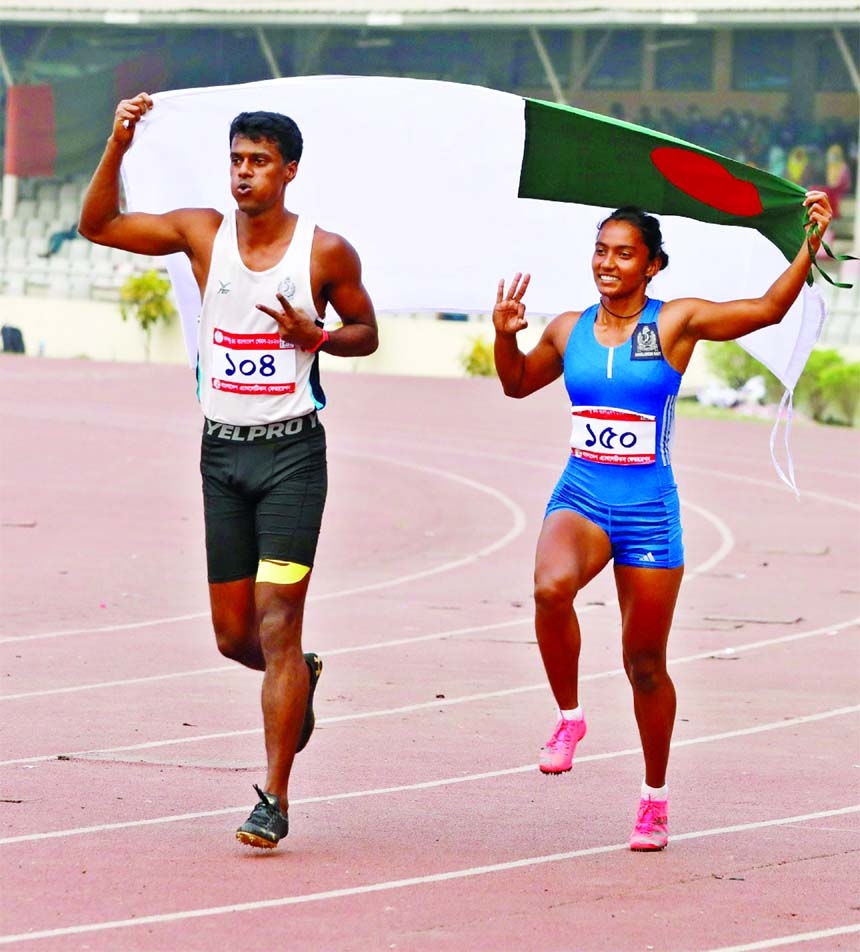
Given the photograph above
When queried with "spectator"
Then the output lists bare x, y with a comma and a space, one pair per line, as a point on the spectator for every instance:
796, 164
837, 176
55, 242
776, 159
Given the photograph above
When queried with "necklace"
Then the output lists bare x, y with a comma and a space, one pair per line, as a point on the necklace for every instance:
624, 317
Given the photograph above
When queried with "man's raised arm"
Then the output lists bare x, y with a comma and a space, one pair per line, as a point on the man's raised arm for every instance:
104, 223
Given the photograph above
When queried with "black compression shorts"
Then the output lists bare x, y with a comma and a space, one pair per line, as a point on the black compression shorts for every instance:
264, 491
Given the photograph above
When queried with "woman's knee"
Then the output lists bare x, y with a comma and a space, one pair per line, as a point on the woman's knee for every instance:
553, 592
646, 671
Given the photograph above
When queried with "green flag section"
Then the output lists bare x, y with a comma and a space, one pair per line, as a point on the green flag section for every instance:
575, 156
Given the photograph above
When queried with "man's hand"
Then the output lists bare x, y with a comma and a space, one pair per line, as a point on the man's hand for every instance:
128, 113
294, 325
509, 314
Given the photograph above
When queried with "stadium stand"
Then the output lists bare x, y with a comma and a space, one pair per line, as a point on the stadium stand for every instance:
751, 79
41, 254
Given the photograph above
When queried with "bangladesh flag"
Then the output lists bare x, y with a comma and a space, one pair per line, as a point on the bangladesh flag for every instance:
570, 153
444, 188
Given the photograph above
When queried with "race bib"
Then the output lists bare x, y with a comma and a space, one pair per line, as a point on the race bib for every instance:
608, 435
252, 363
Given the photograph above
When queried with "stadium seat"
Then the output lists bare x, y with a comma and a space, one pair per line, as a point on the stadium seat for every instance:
13, 228
46, 210
37, 228
26, 209
78, 250
47, 190
70, 191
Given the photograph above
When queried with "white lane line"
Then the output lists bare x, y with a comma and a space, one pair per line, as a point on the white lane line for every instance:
328, 652
771, 484
393, 884
727, 541
790, 939
766, 484
517, 529
721, 474
434, 636
436, 703
725, 546
516, 512
103, 629
124, 682
518, 524
432, 784
247, 732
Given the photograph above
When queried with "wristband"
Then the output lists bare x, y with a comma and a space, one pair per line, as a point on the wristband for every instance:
318, 344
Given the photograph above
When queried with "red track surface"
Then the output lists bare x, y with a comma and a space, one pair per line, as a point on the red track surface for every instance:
419, 820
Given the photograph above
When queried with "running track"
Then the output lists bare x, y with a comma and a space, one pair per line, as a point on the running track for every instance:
419, 819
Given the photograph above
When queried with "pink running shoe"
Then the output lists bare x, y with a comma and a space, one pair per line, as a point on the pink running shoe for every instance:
651, 832
556, 756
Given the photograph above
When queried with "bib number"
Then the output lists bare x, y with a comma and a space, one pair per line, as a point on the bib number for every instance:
608, 435
253, 363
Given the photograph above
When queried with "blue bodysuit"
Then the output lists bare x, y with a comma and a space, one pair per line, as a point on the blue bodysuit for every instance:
619, 474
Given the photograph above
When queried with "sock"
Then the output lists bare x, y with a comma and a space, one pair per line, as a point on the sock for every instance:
655, 793
574, 715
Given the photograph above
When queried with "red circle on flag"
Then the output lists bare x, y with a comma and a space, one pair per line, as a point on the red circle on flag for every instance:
704, 179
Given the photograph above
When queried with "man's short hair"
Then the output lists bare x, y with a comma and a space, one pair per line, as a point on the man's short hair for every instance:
273, 126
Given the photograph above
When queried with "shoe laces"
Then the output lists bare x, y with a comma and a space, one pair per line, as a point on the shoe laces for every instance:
650, 814
264, 809
562, 734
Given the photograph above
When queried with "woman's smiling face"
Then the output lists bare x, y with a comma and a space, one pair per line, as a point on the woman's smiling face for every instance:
620, 264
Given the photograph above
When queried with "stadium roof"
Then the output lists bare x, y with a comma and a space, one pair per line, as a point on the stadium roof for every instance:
437, 13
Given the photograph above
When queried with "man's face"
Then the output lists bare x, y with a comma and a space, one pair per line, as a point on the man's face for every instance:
258, 174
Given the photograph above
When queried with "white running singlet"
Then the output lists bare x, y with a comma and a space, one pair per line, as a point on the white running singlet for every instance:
246, 373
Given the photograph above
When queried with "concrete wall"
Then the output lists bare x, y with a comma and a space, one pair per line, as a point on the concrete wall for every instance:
56, 327
410, 344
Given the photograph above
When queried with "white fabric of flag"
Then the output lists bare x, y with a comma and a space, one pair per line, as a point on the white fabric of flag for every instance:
421, 177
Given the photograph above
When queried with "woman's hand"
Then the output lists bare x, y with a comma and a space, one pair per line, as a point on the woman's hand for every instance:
819, 211
509, 314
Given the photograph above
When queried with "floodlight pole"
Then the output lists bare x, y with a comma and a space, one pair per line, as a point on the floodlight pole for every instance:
268, 53
548, 68
10, 182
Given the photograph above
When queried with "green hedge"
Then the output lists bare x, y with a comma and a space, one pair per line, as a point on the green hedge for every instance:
479, 361
828, 389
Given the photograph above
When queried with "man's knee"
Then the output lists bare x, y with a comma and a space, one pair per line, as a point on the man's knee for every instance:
234, 644
234, 620
280, 624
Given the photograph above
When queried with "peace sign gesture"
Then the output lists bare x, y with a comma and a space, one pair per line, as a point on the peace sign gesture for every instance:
294, 325
509, 314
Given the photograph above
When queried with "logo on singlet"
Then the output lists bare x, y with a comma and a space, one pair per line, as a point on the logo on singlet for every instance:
645, 343
225, 287
287, 287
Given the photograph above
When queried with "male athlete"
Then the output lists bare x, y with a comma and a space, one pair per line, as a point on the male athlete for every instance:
265, 276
